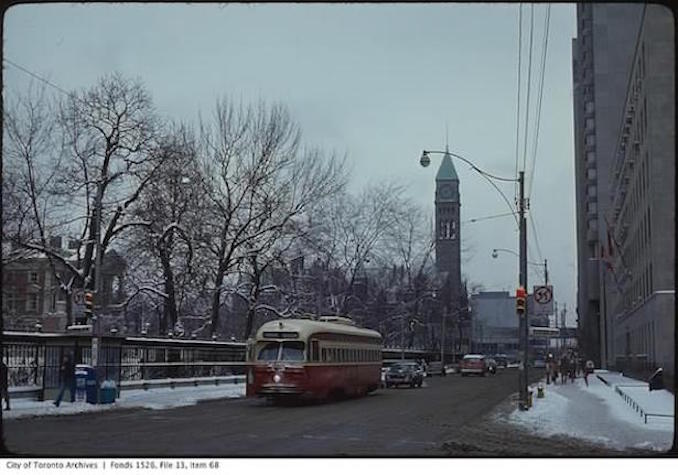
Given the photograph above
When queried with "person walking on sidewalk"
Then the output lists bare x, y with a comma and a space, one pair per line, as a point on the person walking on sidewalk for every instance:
67, 378
4, 384
564, 369
588, 370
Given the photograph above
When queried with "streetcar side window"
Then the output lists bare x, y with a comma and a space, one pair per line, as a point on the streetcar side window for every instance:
314, 351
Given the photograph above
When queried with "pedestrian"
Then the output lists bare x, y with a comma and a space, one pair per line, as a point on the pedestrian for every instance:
588, 370
572, 364
549, 368
67, 379
564, 369
4, 384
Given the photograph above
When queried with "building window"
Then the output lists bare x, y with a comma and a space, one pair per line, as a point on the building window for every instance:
33, 277
53, 301
590, 139
589, 107
590, 157
591, 173
32, 303
592, 207
9, 301
591, 191
589, 124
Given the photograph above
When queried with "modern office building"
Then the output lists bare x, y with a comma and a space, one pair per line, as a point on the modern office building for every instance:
623, 72
494, 323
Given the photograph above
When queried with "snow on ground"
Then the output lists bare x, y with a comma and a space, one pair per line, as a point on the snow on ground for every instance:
157, 398
598, 414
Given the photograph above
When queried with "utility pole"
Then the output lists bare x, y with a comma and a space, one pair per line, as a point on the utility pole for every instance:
524, 318
96, 318
546, 273
442, 341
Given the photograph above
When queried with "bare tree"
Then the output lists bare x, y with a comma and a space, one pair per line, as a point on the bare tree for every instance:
259, 183
96, 148
169, 215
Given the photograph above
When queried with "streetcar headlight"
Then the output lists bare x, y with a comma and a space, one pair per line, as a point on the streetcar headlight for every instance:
276, 378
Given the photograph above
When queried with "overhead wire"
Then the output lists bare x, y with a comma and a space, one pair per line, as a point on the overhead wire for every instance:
545, 41
529, 81
36, 76
520, 44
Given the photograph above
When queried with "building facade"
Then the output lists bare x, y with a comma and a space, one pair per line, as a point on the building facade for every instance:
33, 298
494, 323
623, 67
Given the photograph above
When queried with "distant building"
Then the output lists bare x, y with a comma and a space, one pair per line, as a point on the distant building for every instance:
494, 327
32, 297
624, 122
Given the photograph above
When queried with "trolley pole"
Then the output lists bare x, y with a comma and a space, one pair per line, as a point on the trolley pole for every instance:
524, 319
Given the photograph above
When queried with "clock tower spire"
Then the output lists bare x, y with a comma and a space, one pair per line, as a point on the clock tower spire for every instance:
448, 238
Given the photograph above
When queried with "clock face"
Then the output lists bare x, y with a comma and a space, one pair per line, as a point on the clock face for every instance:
445, 191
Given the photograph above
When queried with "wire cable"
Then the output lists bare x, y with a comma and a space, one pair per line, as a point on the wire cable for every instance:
536, 237
520, 44
539, 99
529, 80
36, 76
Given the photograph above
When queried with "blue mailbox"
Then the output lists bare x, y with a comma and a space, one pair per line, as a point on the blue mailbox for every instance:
85, 383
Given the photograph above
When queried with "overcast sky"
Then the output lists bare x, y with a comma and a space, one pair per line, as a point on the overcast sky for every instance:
377, 82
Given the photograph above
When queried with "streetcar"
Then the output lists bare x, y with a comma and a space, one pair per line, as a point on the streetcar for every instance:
329, 357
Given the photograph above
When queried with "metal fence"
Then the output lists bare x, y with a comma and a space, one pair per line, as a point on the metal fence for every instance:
33, 359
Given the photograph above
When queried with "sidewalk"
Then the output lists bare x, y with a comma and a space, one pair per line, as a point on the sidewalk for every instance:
157, 398
600, 415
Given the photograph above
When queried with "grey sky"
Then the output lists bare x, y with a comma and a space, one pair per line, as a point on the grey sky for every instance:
377, 82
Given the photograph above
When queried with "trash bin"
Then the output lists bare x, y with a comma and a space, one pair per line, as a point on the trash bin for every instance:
540, 391
86, 380
108, 392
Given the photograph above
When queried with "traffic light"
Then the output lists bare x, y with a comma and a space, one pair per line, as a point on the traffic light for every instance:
89, 305
520, 300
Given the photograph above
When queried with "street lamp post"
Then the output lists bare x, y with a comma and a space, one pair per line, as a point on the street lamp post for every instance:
425, 161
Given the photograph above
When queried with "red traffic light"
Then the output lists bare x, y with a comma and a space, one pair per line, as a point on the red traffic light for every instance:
520, 300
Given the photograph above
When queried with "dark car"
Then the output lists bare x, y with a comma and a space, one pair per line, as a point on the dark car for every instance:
407, 372
502, 360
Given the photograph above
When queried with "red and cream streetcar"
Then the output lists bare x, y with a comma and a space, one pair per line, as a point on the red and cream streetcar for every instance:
315, 359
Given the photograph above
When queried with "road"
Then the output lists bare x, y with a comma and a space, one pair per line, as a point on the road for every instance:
446, 417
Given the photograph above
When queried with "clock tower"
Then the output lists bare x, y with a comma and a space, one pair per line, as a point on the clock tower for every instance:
448, 238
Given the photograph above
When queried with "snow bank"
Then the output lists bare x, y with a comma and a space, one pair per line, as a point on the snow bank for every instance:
598, 414
158, 398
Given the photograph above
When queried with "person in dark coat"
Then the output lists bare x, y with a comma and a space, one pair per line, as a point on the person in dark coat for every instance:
4, 384
67, 378
564, 369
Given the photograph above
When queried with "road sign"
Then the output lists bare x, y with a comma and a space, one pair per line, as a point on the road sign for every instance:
543, 294
542, 301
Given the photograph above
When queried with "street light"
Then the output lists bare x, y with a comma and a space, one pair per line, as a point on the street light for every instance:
495, 252
425, 161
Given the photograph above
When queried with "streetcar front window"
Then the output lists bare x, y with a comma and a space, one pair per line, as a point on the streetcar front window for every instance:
292, 351
285, 351
269, 352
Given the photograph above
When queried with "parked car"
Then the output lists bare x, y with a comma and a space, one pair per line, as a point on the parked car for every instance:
539, 363
436, 367
502, 360
474, 364
491, 365
406, 372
